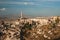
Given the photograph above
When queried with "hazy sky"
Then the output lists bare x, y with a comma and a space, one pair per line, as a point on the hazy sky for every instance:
30, 7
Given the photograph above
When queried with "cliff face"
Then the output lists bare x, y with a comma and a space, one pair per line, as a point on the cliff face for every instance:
31, 30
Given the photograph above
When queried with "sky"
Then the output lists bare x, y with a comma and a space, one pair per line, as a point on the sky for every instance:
31, 8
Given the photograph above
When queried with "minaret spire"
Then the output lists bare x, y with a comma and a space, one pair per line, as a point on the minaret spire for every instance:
21, 14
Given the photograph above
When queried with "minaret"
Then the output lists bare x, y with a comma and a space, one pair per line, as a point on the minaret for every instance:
21, 14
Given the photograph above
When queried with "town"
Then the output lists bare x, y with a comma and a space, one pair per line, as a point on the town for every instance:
39, 28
